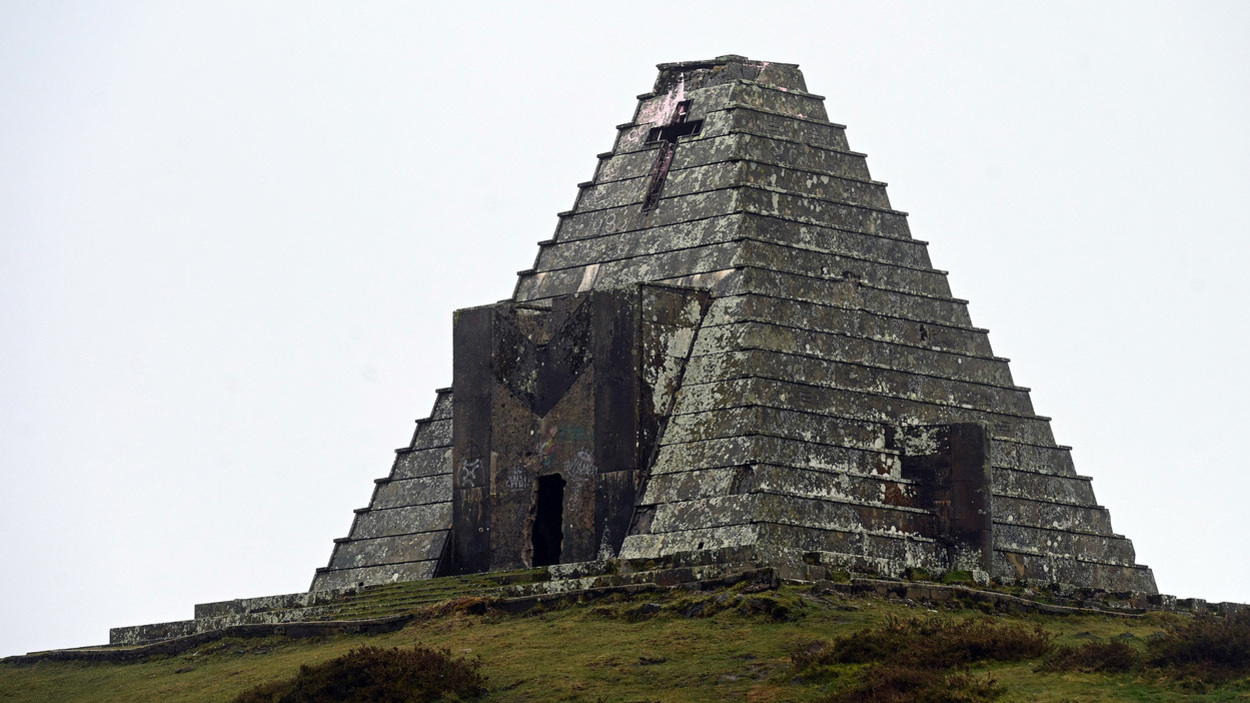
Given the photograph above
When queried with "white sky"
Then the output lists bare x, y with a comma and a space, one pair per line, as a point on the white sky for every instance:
232, 236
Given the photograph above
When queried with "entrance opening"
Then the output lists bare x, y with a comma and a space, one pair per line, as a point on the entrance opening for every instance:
548, 529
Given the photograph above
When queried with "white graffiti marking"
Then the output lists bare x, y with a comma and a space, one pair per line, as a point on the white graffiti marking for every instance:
468, 472
580, 468
517, 480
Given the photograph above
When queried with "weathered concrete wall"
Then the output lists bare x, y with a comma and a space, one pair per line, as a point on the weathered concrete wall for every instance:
575, 391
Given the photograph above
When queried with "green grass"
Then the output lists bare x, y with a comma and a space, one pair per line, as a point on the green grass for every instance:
727, 645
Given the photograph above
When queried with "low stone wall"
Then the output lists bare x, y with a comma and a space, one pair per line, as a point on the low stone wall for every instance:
180, 644
211, 617
321, 612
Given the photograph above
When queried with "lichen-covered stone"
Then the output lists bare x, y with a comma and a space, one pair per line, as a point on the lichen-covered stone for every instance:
820, 397
402, 534
416, 463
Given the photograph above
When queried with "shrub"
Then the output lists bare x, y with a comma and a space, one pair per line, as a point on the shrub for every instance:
922, 660
1111, 657
888, 683
933, 643
1203, 651
1207, 649
377, 675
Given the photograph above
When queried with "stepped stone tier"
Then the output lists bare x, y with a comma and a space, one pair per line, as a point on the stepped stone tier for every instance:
733, 351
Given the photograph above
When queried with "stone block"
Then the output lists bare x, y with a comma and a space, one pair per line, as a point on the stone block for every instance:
760, 363
1019, 483
1037, 512
732, 421
1107, 549
850, 295
340, 579
1049, 569
412, 491
422, 463
747, 120
838, 319
782, 102
901, 252
797, 338
398, 549
807, 262
403, 520
1037, 457
433, 433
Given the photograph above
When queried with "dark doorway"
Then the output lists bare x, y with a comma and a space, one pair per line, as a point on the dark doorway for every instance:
549, 520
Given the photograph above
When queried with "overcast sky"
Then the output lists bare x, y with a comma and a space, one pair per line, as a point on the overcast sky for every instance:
232, 236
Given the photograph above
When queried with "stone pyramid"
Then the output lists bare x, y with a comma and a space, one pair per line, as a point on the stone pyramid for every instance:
732, 351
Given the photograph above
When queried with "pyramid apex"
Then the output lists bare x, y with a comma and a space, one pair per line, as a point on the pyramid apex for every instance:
725, 69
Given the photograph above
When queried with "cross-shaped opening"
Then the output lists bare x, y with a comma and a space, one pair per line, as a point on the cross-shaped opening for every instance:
667, 136
677, 127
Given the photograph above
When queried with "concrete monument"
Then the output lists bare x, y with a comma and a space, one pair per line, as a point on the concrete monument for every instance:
733, 351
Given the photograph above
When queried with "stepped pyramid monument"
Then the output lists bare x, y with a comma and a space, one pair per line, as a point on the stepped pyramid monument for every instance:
732, 354
732, 350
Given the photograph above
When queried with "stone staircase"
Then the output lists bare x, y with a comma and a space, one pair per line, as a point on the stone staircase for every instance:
353, 604
391, 606
386, 608
378, 603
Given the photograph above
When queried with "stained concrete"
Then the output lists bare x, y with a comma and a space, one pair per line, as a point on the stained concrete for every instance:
780, 419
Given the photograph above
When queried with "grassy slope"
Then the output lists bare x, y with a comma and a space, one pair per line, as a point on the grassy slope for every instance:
606, 650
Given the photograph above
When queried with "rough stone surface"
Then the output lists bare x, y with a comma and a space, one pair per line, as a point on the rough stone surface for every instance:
403, 533
807, 394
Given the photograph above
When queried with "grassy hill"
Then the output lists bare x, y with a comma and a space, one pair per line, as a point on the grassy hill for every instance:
739, 643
